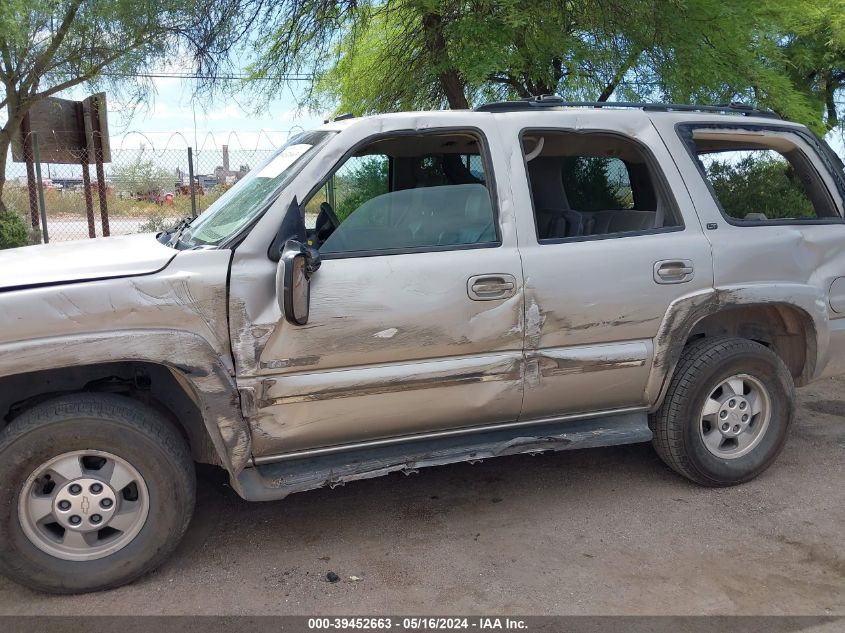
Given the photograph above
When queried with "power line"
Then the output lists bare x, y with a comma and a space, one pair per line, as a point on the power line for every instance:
239, 76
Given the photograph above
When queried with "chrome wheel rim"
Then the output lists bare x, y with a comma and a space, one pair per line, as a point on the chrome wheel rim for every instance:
83, 505
735, 416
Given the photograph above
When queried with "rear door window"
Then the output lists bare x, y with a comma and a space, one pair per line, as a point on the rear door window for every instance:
593, 185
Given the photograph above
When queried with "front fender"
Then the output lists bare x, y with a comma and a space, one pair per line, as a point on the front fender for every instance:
185, 352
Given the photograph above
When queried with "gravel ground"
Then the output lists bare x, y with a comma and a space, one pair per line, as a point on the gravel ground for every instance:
601, 531
66, 227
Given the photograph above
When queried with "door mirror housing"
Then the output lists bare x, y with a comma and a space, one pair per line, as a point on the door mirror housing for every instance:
293, 280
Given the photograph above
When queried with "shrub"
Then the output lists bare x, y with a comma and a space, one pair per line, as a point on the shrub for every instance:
157, 221
13, 230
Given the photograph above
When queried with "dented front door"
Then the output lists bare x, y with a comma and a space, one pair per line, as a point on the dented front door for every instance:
395, 345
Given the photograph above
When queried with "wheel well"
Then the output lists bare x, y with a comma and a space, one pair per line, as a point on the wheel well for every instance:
158, 386
788, 331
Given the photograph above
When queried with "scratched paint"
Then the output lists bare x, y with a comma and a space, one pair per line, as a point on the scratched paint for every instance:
176, 317
380, 325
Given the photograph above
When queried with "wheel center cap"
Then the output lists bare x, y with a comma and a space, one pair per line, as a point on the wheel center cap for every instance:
734, 416
85, 504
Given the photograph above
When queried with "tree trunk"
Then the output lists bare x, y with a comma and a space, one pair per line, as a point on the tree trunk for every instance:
450, 80
828, 87
617, 78
5, 142
16, 109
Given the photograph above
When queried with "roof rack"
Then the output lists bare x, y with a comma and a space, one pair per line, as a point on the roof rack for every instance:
553, 101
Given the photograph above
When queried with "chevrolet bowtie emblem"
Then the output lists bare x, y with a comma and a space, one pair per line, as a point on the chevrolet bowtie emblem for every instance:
85, 505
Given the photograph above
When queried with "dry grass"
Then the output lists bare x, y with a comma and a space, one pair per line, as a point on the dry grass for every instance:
64, 203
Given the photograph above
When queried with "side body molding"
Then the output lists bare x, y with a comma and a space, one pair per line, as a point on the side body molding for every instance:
684, 313
214, 387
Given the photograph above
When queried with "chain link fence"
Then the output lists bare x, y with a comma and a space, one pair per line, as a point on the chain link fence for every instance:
146, 190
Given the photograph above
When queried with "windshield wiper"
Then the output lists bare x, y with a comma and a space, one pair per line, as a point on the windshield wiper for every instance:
170, 237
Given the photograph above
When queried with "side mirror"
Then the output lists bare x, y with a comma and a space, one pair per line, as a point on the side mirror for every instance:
293, 280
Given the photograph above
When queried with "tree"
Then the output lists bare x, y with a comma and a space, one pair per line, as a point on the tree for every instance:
759, 184
387, 55
815, 49
367, 179
49, 46
589, 185
143, 177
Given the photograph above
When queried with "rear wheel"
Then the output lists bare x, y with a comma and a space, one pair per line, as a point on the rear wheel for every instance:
726, 413
97, 490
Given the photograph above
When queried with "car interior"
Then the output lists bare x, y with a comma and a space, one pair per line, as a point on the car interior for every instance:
591, 184
403, 193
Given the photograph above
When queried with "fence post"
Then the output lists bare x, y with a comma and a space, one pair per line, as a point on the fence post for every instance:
89, 199
191, 180
86, 174
36, 157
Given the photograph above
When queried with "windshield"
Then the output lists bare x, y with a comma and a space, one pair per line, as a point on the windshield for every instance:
253, 193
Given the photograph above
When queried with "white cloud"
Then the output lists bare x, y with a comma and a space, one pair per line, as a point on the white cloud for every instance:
227, 113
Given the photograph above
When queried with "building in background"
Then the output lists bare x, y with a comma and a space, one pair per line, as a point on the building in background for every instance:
227, 176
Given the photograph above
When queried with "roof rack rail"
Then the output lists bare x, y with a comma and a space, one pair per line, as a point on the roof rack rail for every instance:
553, 101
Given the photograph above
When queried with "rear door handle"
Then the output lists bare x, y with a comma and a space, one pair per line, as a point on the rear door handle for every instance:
673, 271
491, 287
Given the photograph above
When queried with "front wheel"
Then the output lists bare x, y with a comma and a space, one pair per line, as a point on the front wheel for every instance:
97, 489
726, 413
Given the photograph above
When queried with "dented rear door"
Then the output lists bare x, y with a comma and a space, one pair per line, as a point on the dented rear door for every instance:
594, 303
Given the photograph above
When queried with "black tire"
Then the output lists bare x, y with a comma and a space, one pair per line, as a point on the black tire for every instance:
114, 424
702, 366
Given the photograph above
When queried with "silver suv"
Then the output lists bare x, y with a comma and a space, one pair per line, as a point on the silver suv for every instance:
417, 289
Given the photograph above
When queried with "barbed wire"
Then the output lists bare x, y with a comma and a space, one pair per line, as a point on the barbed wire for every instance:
118, 142
146, 188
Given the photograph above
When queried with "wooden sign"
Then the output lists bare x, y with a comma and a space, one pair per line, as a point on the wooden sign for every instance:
66, 131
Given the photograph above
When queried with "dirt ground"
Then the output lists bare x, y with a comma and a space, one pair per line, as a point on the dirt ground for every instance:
601, 531
63, 227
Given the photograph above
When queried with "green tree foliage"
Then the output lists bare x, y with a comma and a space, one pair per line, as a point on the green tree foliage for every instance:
590, 185
13, 231
814, 45
143, 177
390, 55
760, 182
48, 46
364, 181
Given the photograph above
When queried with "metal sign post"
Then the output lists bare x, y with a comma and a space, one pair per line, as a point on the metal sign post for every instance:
70, 133
93, 105
86, 174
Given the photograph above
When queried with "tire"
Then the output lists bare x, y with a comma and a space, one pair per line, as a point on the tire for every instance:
108, 438
681, 433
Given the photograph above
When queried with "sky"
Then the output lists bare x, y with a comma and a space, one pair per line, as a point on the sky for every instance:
174, 119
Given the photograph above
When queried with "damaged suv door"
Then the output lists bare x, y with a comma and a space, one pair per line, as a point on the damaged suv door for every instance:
415, 318
603, 263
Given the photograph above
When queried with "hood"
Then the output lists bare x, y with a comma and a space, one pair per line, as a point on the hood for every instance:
83, 260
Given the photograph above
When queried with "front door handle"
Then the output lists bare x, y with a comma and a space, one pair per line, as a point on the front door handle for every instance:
673, 271
491, 287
